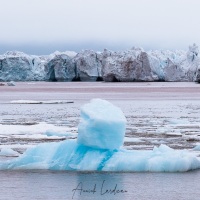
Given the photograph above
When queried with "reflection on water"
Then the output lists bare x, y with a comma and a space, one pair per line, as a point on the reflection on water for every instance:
87, 186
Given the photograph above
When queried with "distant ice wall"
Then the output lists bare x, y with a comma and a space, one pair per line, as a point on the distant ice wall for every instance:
131, 65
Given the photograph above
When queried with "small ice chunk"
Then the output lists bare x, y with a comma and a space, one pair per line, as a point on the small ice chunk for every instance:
50, 133
197, 148
11, 83
102, 125
8, 152
129, 139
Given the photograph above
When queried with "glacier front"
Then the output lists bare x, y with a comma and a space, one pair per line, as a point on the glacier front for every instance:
98, 148
131, 65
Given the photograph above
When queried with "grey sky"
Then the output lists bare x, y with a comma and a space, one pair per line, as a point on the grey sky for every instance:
43, 26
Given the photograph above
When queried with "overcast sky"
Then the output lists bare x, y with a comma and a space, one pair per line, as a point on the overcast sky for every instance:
43, 26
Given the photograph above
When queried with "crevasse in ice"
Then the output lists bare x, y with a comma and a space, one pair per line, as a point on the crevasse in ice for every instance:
98, 148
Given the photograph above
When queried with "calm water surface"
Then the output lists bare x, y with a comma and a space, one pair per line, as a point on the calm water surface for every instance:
85, 186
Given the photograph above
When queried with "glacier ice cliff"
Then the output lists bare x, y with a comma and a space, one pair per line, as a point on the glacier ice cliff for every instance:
131, 65
17, 66
99, 148
88, 65
60, 68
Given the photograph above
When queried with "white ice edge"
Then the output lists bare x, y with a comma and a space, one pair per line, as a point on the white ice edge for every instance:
39, 102
37, 129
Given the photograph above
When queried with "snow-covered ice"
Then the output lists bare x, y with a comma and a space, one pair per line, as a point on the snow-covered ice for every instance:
100, 118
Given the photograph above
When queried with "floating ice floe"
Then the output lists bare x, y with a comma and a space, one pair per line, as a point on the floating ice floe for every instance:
40, 102
99, 148
197, 148
8, 152
130, 139
36, 129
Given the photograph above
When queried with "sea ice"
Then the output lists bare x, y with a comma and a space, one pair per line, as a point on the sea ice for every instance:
100, 135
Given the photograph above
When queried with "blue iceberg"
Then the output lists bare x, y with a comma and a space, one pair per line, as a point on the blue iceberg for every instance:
99, 148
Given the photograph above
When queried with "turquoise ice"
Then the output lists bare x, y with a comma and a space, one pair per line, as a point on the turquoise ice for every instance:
102, 125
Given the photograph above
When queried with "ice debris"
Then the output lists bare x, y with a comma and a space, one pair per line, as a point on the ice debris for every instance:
100, 135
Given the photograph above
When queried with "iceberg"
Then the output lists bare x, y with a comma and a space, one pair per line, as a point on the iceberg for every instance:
99, 148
